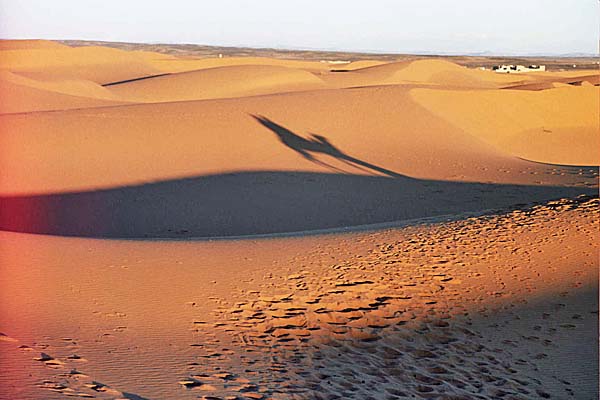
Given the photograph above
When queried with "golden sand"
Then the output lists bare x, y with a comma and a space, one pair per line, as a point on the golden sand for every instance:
295, 229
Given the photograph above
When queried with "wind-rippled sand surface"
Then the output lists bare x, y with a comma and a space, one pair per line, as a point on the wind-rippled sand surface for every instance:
446, 225
495, 306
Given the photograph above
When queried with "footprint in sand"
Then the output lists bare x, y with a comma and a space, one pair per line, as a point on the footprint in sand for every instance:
6, 338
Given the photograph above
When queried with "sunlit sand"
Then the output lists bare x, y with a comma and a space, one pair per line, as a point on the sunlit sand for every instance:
264, 228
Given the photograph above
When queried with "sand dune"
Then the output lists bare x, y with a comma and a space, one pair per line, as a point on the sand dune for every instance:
219, 82
552, 75
436, 71
30, 44
237, 78
259, 203
407, 230
426, 72
191, 64
502, 305
303, 161
555, 80
49, 82
358, 65
557, 126
20, 94
543, 85
132, 144
99, 64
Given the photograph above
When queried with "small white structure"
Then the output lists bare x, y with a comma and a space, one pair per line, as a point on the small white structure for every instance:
515, 69
336, 61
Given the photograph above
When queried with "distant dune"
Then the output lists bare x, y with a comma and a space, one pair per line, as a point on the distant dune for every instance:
121, 126
436, 71
192, 64
98, 64
218, 82
21, 95
30, 44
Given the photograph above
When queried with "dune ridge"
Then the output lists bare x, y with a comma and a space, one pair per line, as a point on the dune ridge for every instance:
98, 64
22, 95
6, 44
218, 82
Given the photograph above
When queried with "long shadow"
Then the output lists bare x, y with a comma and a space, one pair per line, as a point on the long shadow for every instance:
318, 144
250, 203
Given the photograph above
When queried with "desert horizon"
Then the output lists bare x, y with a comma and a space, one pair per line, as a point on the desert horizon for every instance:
187, 221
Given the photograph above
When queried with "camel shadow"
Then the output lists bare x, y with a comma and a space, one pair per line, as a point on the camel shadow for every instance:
318, 144
263, 202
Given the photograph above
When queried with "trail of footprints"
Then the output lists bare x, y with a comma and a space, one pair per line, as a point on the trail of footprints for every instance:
390, 325
64, 377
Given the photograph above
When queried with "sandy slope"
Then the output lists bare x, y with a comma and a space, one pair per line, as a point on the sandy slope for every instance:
191, 64
218, 82
98, 64
553, 80
381, 126
30, 44
282, 162
437, 71
58, 84
21, 94
557, 126
503, 305
277, 163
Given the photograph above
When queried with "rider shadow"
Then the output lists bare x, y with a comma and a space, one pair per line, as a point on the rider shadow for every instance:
318, 144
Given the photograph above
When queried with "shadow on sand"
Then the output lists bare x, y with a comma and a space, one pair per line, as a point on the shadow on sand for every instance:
266, 202
318, 144
251, 203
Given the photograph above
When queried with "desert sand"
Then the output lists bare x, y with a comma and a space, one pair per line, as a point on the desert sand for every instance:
261, 228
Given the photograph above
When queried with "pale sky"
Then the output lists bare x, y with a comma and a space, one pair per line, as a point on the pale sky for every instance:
398, 26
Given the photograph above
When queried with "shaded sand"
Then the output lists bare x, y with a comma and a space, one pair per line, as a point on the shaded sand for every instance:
560, 80
128, 145
252, 203
412, 229
301, 161
497, 306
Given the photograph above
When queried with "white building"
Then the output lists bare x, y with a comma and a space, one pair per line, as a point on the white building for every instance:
515, 69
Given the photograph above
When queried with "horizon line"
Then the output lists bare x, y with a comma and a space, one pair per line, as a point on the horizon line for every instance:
331, 50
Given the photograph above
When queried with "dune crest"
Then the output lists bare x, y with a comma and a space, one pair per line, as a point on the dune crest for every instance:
435, 71
218, 82
30, 44
19, 94
99, 64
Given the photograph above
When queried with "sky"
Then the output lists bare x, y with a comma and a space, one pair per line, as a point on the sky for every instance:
396, 26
